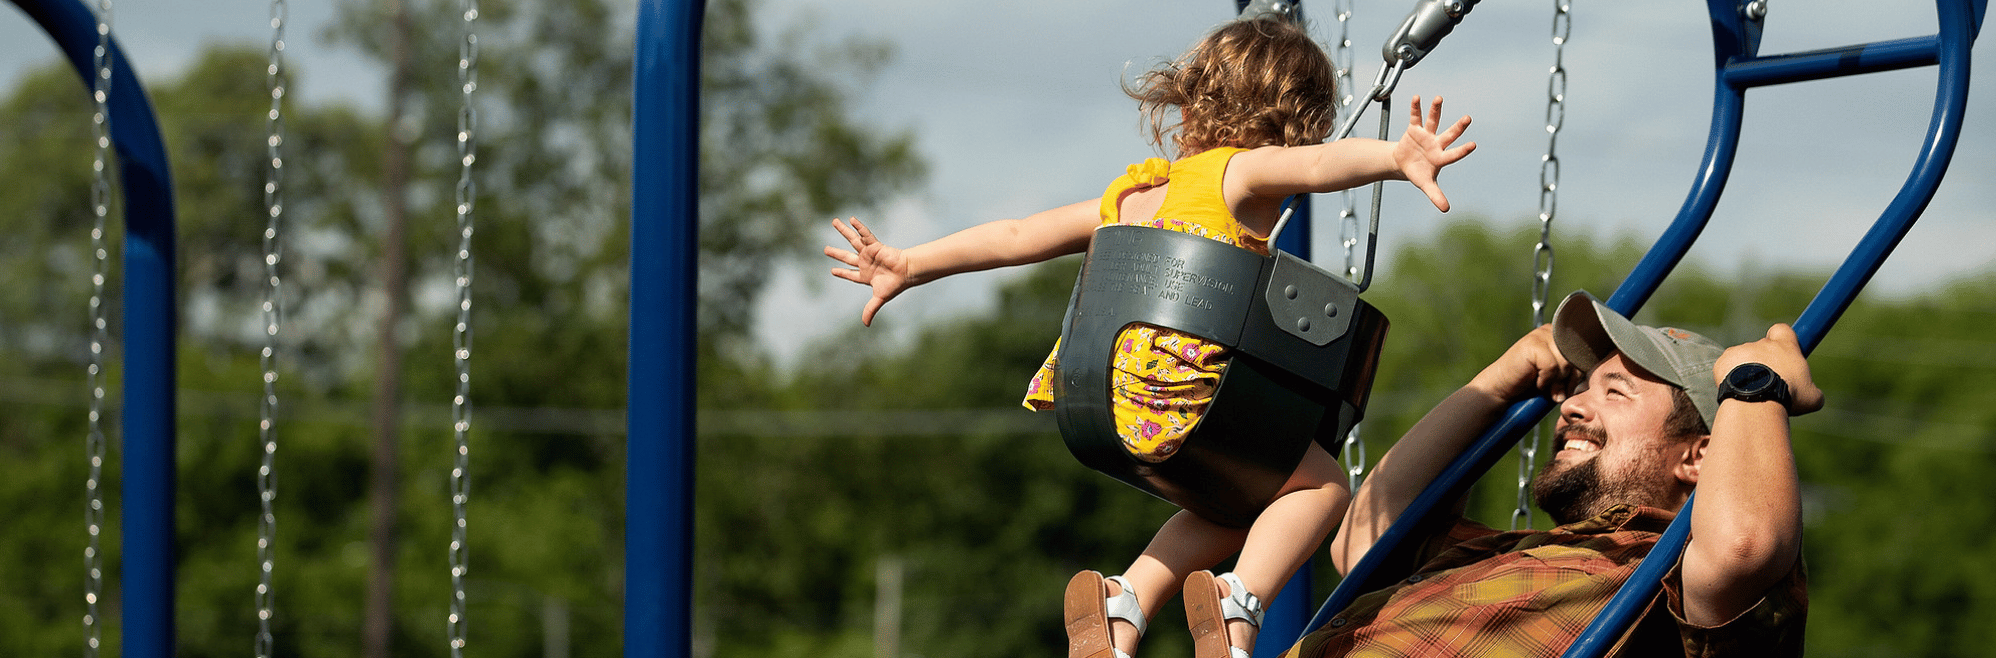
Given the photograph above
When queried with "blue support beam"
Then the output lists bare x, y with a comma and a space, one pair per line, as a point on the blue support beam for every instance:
1735, 44
1288, 615
658, 521
1290, 611
1950, 50
1832, 63
149, 328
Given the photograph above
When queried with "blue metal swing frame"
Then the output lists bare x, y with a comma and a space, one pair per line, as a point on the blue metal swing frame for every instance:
664, 234
147, 424
1736, 42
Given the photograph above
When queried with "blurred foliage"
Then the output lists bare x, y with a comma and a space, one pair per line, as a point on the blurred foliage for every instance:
875, 455
550, 329
1906, 431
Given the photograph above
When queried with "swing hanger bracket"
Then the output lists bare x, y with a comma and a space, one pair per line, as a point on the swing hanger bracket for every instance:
1382, 90
1287, 10
1418, 35
1423, 30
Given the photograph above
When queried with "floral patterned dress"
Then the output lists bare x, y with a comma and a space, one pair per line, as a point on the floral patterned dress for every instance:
1163, 380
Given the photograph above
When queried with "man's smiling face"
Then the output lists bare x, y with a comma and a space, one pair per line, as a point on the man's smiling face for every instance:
1612, 447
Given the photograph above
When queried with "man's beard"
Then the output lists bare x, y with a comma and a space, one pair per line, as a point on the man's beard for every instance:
1579, 492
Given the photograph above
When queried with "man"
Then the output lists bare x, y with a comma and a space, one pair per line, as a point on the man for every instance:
1633, 442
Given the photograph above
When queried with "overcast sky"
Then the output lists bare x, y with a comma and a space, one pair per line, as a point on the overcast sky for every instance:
1016, 107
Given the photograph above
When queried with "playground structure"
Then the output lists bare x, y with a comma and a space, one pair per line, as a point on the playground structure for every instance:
660, 424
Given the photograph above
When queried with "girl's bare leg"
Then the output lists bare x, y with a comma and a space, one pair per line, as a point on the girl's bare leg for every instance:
1288, 532
1185, 544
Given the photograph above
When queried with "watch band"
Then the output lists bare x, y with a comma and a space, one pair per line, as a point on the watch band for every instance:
1754, 382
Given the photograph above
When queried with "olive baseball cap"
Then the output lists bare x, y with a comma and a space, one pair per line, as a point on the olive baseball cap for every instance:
1587, 332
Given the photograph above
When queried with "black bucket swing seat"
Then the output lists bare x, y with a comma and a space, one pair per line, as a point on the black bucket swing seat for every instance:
1303, 351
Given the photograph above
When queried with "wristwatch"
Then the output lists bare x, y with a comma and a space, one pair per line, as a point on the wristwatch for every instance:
1754, 382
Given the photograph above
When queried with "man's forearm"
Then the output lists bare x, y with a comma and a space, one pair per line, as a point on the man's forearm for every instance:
1409, 466
1746, 532
1532, 366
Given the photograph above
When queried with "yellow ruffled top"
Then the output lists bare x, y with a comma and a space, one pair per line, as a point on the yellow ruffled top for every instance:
1164, 379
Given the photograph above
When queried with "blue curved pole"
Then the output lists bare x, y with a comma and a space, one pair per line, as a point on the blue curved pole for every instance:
147, 424
1455, 480
658, 515
1735, 44
1952, 50
1958, 22
1731, 40
1447, 487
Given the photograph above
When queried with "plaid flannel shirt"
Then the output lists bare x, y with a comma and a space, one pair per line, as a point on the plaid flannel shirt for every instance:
1480, 592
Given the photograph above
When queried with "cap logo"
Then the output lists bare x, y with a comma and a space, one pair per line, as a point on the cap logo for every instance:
1676, 334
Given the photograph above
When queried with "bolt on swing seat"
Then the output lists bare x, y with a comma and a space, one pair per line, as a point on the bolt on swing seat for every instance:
1303, 350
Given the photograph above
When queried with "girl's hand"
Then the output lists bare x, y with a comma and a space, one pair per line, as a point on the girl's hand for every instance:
1421, 152
872, 264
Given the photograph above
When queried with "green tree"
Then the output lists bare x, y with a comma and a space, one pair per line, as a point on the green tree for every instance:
912, 465
43, 342
1885, 582
814, 485
546, 521
1898, 462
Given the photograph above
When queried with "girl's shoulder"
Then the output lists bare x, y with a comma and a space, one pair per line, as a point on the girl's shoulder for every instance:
1217, 153
1210, 163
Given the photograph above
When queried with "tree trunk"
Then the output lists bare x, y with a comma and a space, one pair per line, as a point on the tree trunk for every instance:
378, 623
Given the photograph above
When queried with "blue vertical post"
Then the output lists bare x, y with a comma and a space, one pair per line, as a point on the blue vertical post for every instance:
148, 423
1290, 610
1289, 615
658, 514
1295, 238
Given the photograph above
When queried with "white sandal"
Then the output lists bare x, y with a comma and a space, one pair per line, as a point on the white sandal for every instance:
1089, 608
1206, 613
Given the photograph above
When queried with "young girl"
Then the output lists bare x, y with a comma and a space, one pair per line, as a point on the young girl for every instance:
1255, 100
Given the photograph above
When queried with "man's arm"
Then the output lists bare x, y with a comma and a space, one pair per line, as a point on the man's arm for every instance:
1746, 532
1531, 367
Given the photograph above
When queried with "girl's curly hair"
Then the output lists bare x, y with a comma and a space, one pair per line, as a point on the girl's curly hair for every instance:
1250, 83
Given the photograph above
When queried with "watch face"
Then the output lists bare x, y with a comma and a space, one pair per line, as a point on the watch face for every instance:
1750, 378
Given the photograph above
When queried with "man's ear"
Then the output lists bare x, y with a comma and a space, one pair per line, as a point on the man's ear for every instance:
1694, 456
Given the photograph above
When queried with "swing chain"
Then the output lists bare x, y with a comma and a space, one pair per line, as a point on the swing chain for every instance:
94, 445
1342, 64
273, 197
1353, 453
467, 149
1542, 255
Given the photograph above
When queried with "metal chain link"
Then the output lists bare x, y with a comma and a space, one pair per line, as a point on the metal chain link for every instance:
1542, 255
1353, 455
94, 445
467, 191
273, 199
1341, 61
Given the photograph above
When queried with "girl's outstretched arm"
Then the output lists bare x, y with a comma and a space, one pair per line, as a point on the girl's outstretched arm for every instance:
890, 271
1276, 172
